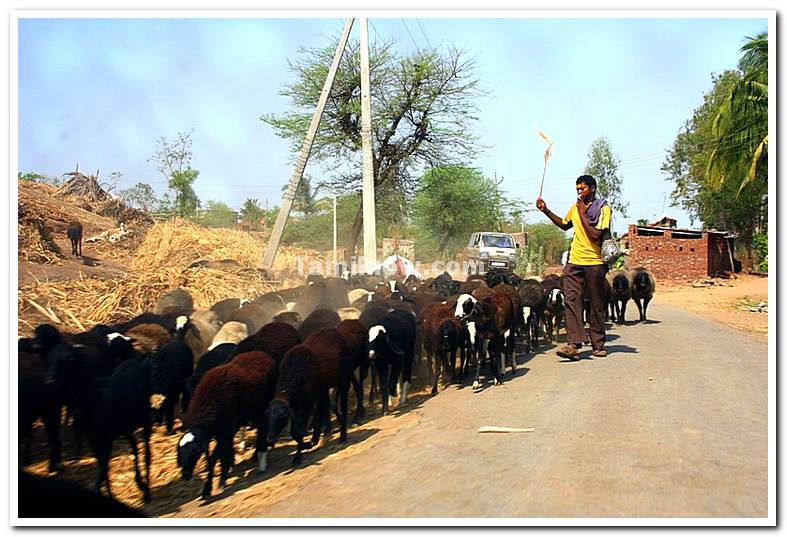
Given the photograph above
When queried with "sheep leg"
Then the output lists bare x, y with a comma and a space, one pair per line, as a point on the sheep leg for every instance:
146, 442
452, 365
102, 449
646, 300
358, 399
226, 457
623, 311
169, 412
496, 357
481, 354
52, 425
185, 399
343, 400
261, 447
384, 375
434, 369
407, 374
206, 490
132, 442
639, 307
373, 387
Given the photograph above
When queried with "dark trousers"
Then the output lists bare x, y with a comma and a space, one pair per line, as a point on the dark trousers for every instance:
591, 278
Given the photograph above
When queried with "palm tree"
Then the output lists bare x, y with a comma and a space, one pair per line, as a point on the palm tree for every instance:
251, 211
740, 127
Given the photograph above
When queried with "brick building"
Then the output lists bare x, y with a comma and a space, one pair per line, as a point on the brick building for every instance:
679, 254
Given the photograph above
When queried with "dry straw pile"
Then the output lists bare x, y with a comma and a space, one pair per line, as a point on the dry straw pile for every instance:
161, 263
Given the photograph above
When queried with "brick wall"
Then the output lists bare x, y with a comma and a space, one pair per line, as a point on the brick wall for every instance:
668, 257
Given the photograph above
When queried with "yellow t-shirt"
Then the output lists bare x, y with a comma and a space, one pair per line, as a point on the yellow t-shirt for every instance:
585, 251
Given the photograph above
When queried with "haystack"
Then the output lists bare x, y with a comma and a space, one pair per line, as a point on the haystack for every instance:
161, 263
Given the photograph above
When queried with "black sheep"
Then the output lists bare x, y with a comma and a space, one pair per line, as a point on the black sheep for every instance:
306, 374
620, 283
356, 338
169, 369
392, 351
108, 407
167, 321
643, 285
38, 399
74, 232
219, 355
274, 338
317, 320
533, 302
229, 396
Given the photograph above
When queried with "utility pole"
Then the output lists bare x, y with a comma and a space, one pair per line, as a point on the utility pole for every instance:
369, 227
333, 270
300, 165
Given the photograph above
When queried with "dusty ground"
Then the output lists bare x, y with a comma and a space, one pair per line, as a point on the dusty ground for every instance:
726, 301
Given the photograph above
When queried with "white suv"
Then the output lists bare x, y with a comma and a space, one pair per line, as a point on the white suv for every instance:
488, 249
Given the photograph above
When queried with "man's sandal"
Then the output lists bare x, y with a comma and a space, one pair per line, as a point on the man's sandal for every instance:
568, 351
600, 353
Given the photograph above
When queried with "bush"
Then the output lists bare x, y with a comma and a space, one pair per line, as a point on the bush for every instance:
530, 261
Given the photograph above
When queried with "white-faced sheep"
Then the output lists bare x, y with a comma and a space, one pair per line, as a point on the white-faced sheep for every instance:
198, 330
442, 335
229, 396
355, 336
391, 350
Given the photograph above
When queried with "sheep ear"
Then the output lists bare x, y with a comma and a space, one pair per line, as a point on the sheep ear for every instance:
393, 346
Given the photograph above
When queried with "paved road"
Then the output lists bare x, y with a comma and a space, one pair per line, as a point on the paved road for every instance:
672, 424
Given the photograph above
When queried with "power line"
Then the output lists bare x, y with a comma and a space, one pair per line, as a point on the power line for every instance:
423, 32
411, 35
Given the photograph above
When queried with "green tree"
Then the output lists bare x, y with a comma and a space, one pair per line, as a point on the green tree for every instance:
740, 123
173, 161
642, 222
315, 231
424, 107
251, 212
727, 206
547, 238
164, 204
186, 200
217, 214
451, 203
305, 196
603, 165
141, 195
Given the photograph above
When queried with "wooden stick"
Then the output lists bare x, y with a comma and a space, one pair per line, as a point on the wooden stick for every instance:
496, 429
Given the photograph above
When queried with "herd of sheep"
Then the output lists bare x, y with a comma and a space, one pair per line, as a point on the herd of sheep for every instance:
283, 361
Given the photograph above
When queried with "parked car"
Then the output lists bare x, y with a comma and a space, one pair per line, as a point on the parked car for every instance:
488, 249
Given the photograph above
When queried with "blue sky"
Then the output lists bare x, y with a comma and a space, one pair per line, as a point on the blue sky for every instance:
101, 91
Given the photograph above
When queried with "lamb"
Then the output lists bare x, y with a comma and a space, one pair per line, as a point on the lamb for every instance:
169, 369
74, 233
620, 283
111, 406
533, 301
493, 316
177, 301
358, 294
554, 313
228, 396
318, 319
643, 286
306, 374
274, 339
441, 334
231, 332
392, 349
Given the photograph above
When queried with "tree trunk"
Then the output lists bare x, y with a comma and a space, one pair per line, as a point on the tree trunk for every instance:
443, 244
355, 232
